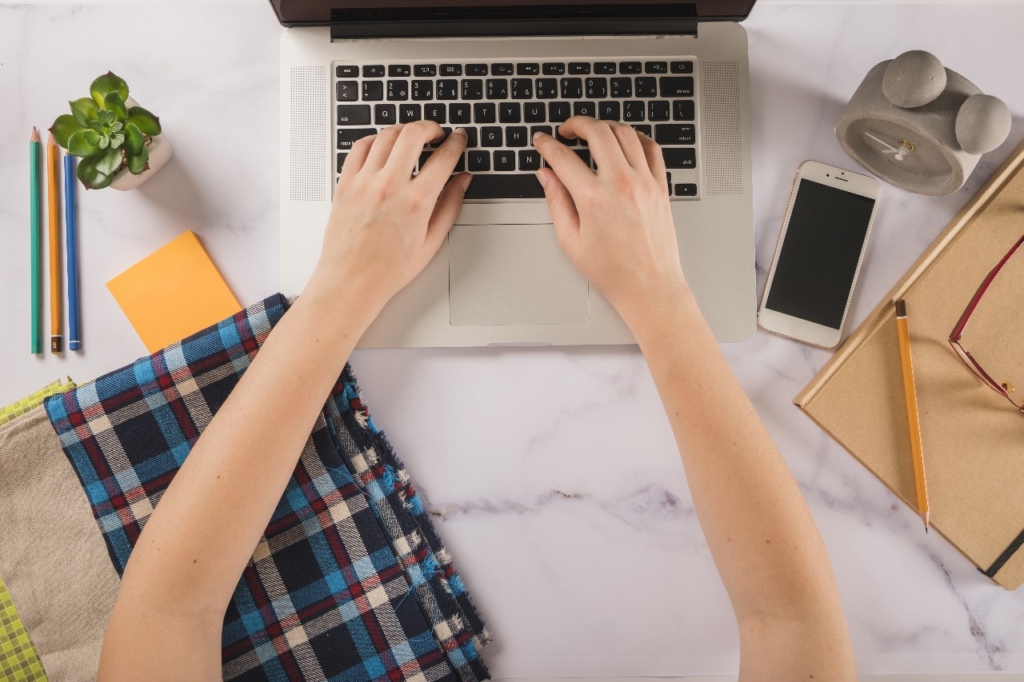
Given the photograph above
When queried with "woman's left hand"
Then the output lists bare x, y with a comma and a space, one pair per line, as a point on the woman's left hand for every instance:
385, 223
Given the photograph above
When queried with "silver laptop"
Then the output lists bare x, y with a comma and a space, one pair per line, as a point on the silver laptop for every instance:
503, 69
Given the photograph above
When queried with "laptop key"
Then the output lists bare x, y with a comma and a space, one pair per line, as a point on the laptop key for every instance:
485, 112
353, 114
547, 88
490, 136
554, 69
424, 157
633, 110
399, 71
643, 128
347, 71
341, 161
460, 165
407, 113
424, 70
679, 157
630, 67
502, 69
398, 91
451, 70
539, 129
348, 91
657, 110
597, 88
675, 134
497, 88
584, 109
472, 88
676, 86
527, 69
373, 71
522, 88
604, 67
448, 88
567, 141
476, 69
459, 113
646, 87
558, 112
479, 161
422, 90
434, 112
516, 136
504, 160
656, 67
682, 67
349, 136
472, 137
584, 155
384, 114
510, 112
609, 111
373, 91
529, 159
572, 88
579, 67
534, 112
683, 110
686, 190
508, 186
622, 87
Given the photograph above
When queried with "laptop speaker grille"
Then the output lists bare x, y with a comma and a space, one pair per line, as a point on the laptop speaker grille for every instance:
308, 151
722, 128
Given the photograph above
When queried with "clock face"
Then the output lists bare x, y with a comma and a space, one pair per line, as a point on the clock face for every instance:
897, 149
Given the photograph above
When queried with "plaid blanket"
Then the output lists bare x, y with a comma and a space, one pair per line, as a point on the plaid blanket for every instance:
348, 582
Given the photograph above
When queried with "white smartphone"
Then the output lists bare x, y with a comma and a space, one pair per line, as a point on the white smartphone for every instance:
817, 260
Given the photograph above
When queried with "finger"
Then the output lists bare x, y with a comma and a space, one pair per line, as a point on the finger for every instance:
655, 160
564, 214
409, 145
382, 147
630, 144
449, 203
439, 166
356, 157
569, 167
604, 146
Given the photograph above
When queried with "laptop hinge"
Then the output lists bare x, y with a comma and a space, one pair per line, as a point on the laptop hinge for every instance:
538, 20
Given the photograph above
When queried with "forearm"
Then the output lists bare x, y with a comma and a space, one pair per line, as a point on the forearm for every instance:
201, 535
760, 532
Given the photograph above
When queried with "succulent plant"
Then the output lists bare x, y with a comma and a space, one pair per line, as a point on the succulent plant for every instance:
106, 133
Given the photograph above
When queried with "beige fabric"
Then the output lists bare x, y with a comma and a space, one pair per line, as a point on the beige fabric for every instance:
52, 555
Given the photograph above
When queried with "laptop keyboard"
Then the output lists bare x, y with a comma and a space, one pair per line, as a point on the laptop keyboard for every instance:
501, 105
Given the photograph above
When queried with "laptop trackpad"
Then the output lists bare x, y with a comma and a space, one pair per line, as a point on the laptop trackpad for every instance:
513, 274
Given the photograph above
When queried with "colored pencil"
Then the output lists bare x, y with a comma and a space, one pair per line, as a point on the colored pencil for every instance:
52, 189
35, 239
910, 393
71, 238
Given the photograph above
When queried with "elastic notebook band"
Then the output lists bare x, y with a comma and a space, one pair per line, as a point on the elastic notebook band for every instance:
1005, 556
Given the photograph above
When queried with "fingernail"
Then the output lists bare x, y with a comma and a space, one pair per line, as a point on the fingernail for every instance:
459, 131
536, 135
541, 177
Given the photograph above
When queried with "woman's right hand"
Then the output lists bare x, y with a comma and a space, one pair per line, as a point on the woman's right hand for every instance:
615, 225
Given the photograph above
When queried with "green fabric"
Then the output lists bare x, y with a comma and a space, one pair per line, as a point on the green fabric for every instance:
27, 403
19, 661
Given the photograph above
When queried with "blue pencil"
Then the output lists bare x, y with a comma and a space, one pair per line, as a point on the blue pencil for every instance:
71, 230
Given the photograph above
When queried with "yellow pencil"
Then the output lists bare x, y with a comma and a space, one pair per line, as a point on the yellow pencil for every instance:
910, 392
53, 193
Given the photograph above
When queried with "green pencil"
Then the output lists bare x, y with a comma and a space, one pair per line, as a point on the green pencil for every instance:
35, 149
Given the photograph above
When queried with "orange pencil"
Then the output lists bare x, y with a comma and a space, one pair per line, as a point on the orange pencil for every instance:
910, 392
53, 194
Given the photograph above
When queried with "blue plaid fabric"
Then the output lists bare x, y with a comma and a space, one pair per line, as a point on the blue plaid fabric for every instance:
349, 581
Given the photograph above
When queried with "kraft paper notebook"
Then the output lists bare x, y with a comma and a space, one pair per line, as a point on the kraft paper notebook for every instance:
173, 293
973, 438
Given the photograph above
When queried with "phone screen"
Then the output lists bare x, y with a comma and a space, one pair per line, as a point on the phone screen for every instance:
819, 254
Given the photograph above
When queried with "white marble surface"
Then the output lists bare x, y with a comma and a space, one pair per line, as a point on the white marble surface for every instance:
551, 473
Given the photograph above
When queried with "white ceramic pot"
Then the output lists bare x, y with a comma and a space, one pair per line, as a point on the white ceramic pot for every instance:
159, 154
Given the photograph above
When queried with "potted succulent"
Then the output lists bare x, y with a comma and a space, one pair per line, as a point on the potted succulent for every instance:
119, 143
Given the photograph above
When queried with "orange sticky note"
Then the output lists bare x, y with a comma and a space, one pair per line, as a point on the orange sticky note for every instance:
173, 293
